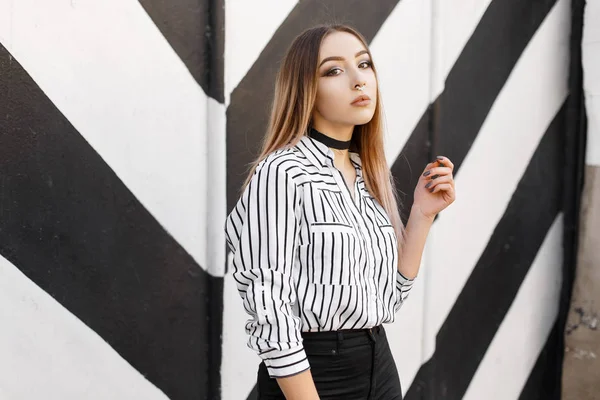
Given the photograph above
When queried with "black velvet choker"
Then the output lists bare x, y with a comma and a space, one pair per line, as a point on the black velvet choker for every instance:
328, 141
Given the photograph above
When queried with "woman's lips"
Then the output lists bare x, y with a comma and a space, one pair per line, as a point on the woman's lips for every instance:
362, 100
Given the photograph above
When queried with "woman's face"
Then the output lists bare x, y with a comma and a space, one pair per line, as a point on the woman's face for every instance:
343, 64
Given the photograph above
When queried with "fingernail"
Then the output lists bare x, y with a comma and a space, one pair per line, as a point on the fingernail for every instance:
431, 190
435, 176
426, 173
427, 186
441, 164
439, 157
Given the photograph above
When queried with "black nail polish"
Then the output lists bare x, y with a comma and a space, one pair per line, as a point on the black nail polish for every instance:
434, 177
426, 173
441, 164
427, 186
431, 190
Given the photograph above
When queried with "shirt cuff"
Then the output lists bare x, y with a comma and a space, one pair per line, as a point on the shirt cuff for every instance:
282, 363
402, 281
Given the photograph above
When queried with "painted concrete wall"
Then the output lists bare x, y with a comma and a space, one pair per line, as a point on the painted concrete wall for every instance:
106, 275
582, 335
125, 131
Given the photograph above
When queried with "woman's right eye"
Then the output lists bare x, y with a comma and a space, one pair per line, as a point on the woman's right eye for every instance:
333, 72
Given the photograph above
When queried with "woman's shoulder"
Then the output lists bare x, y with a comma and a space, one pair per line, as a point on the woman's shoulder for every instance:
288, 161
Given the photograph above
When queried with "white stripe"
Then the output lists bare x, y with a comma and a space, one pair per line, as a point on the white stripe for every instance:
216, 175
511, 356
48, 353
249, 27
109, 70
496, 162
590, 47
411, 72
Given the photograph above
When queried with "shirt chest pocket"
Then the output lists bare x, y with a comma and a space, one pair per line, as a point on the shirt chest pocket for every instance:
334, 254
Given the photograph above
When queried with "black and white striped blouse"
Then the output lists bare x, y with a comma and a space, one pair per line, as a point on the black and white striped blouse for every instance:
307, 257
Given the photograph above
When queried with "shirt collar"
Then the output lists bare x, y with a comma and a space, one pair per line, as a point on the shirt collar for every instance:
356, 158
316, 152
322, 156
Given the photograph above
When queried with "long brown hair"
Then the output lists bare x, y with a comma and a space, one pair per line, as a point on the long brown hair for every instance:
292, 107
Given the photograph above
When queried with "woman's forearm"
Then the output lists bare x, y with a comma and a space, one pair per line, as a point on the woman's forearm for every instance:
299, 387
417, 229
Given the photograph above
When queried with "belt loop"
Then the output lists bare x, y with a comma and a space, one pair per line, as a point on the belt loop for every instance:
371, 334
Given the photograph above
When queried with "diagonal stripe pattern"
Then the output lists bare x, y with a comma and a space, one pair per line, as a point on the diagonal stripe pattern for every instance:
451, 123
472, 322
70, 225
195, 31
48, 353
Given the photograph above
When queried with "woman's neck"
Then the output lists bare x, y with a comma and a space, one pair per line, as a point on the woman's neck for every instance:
338, 132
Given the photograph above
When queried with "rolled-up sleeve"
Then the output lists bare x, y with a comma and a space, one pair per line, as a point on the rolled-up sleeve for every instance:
403, 286
262, 233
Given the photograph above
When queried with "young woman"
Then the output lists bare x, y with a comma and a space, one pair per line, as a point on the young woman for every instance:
320, 255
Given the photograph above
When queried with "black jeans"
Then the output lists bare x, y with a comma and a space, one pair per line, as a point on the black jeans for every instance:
348, 365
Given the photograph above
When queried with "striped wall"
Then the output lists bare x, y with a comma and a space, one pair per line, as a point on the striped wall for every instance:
104, 199
125, 133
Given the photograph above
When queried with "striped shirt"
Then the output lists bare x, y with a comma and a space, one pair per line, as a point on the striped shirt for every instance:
308, 257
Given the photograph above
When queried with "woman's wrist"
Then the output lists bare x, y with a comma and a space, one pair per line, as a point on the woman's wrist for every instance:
417, 230
417, 215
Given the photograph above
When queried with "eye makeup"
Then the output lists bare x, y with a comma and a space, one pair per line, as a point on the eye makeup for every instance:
330, 71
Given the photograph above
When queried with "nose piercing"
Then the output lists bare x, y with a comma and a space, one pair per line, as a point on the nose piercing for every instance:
361, 88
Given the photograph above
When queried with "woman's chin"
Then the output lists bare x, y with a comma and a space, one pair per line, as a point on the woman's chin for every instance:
352, 117
363, 117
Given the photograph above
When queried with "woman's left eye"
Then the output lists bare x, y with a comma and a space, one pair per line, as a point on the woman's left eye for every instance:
365, 64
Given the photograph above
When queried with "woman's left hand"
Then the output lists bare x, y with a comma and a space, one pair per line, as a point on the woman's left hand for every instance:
435, 189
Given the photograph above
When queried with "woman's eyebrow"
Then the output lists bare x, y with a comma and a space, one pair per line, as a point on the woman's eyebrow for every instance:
339, 58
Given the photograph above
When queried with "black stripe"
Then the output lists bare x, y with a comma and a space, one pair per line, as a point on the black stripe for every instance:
196, 32
542, 383
247, 114
70, 225
451, 124
471, 325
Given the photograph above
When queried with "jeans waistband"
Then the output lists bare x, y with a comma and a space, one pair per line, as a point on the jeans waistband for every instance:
346, 335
